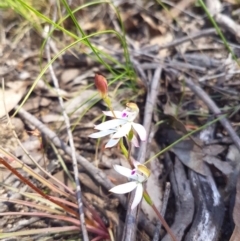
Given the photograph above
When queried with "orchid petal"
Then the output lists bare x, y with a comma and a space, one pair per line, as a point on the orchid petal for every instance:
138, 195
102, 133
140, 130
135, 141
123, 170
123, 131
118, 114
109, 124
128, 173
124, 188
112, 142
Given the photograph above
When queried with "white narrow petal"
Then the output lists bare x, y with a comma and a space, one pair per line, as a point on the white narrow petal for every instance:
112, 142
140, 130
123, 131
102, 133
109, 124
123, 170
138, 195
132, 174
118, 114
124, 188
135, 141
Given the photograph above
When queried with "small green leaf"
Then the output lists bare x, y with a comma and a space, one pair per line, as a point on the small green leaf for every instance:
147, 198
123, 148
130, 135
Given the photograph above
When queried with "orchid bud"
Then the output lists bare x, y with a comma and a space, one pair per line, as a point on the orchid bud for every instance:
101, 85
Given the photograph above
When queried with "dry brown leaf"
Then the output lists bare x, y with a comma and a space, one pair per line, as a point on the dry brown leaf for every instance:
69, 74
88, 182
113, 216
61, 176
107, 161
10, 97
99, 25
32, 145
8, 141
224, 167
80, 102
214, 149
193, 160
97, 201
179, 7
37, 102
162, 40
152, 24
194, 157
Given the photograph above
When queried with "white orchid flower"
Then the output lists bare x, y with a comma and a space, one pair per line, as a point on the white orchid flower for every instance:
139, 175
121, 126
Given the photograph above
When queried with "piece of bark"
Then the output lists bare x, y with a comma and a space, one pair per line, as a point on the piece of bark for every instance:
184, 199
209, 209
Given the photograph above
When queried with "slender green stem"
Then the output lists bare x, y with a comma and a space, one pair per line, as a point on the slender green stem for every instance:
129, 153
123, 148
109, 105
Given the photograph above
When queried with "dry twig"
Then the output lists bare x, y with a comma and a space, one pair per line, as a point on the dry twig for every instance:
71, 142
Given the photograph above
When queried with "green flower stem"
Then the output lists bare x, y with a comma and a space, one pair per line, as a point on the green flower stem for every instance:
123, 148
160, 217
129, 153
109, 105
